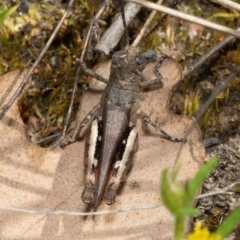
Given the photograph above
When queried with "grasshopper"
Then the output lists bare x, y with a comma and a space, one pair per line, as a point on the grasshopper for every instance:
112, 139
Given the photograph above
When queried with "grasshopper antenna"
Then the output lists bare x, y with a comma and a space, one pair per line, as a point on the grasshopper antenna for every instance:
126, 35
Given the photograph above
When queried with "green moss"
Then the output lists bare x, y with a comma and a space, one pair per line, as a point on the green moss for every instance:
22, 38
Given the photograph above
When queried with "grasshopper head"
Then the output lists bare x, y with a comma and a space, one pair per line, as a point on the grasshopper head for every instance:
128, 59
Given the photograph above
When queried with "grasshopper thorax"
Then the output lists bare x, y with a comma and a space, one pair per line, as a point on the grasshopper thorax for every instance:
125, 77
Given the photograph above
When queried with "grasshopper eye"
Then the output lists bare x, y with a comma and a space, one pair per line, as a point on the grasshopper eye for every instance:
124, 55
119, 57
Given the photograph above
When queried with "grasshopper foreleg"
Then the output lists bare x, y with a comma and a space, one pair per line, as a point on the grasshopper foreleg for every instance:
91, 72
159, 79
147, 119
78, 127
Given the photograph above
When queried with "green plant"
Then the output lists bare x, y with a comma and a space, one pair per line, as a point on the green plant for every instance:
4, 13
178, 200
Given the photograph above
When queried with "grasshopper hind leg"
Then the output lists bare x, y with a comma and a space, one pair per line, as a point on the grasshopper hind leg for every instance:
147, 119
91, 161
122, 165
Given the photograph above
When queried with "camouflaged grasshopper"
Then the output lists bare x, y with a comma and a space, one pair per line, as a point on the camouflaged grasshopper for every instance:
112, 140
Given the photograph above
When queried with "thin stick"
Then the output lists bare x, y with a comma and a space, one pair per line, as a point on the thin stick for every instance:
158, 24
207, 104
69, 213
187, 17
128, 209
75, 87
4, 96
204, 58
26, 79
100, 11
228, 4
61, 135
145, 26
217, 192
